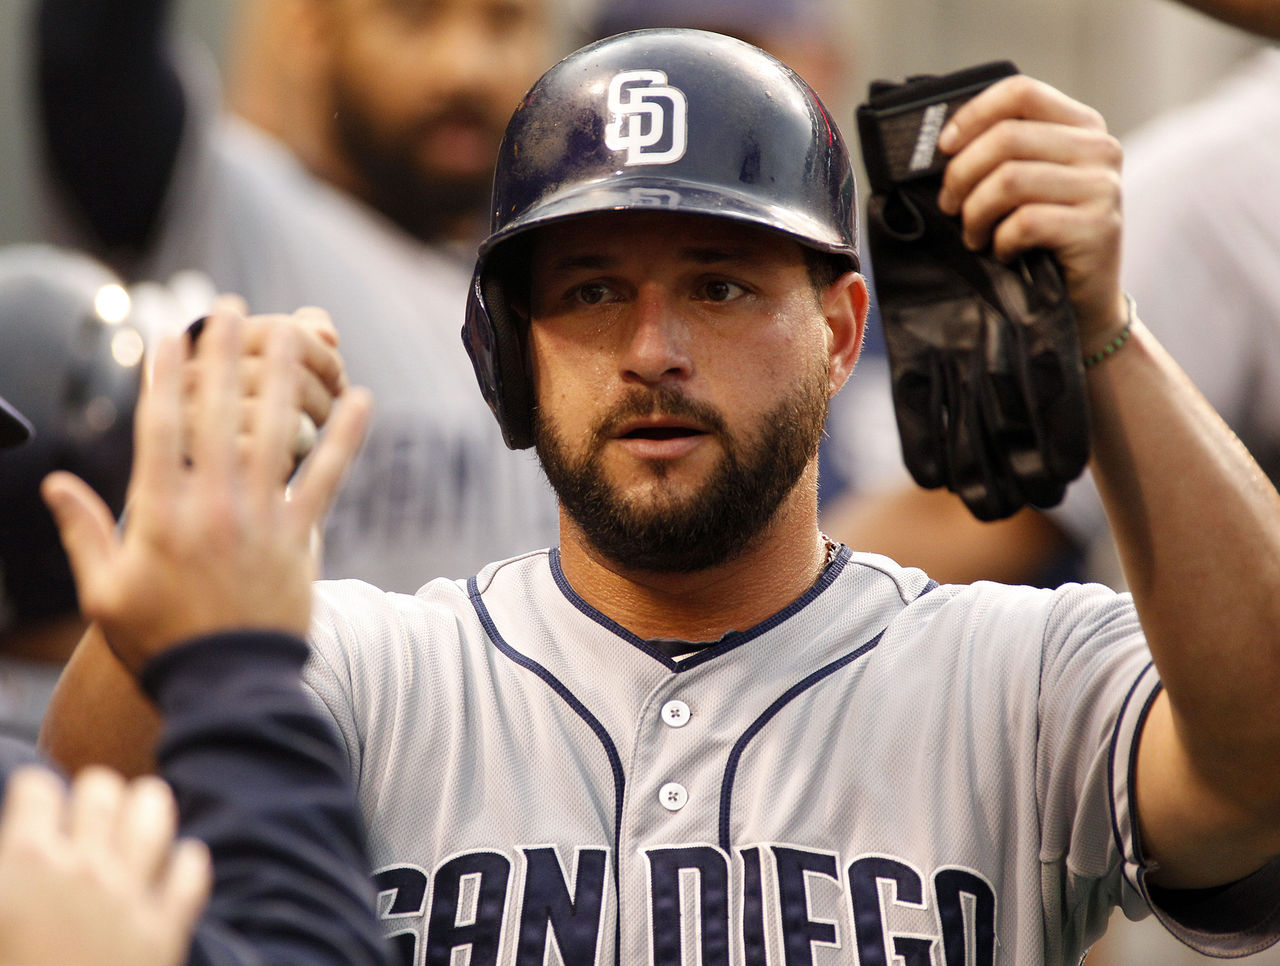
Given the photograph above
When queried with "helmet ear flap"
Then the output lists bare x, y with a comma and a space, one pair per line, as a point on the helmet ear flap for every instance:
515, 381
496, 340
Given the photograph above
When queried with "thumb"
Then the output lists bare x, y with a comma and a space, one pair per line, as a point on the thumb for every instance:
85, 526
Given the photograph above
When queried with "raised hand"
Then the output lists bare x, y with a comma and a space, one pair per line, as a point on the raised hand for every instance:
1033, 168
214, 540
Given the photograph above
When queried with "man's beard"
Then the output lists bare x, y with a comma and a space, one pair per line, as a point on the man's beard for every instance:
427, 206
662, 534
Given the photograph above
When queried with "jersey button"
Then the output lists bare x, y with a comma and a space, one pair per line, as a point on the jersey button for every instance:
673, 796
676, 714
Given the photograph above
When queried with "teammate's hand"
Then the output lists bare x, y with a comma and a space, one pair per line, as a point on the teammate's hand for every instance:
93, 876
1033, 168
214, 542
322, 373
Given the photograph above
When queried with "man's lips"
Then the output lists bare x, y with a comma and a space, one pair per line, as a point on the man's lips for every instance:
658, 429
659, 438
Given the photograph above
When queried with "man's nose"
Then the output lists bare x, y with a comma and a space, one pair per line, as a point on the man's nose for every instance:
657, 348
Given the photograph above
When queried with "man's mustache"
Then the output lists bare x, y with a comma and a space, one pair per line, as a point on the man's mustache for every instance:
661, 403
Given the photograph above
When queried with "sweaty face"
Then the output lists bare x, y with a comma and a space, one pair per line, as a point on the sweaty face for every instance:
421, 91
682, 383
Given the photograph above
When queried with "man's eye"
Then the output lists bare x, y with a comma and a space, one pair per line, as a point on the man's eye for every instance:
722, 291
592, 293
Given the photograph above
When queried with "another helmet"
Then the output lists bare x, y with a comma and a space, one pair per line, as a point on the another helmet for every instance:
14, 428
675, 119
70, 362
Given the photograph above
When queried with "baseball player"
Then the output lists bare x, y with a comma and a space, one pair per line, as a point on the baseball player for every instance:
697, 730
72, 352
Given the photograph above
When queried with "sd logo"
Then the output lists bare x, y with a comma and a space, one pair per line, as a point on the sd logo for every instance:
648, 119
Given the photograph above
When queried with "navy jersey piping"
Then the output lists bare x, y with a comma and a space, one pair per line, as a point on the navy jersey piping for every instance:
528, 663
740, 746
1131, 769
729, 642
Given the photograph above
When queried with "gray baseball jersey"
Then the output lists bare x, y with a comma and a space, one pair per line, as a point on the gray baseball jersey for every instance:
886, 771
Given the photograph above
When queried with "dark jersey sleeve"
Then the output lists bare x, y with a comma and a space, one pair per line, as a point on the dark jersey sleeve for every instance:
1238, 919
260, 777
111, 110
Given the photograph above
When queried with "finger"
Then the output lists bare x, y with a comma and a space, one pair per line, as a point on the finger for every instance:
319, 323
1017, 184
157, 427
313, 396
324, 469
1063, 229
86, 529
1019, 96
318, 354
96, 796
1012, 141
301, 441
275, 428
146, 826
230, 303
186, 883
216, 422
34, 803
1086, 243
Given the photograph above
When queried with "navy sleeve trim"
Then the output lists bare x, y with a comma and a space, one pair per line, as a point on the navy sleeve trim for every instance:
1238, 919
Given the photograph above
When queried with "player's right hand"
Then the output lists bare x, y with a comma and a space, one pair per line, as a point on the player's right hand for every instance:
1033, 168
215, 541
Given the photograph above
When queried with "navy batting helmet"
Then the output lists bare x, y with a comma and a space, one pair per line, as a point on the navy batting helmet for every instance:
70, 362
666, 119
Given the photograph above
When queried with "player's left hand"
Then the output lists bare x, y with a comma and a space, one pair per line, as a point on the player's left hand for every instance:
322, 373
1032, 168
214, 542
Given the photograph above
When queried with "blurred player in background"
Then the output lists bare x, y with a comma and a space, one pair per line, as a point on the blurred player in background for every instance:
72, 350
395, 112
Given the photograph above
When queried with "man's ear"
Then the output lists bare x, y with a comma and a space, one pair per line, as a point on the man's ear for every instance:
844, 304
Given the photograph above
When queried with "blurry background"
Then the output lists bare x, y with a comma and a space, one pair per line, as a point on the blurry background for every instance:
1131, 59
1128, 58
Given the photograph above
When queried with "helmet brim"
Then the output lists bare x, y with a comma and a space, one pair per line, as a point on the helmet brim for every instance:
654, 194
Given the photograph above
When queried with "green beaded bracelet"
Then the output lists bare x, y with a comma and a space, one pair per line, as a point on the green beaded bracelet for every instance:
1114, 346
